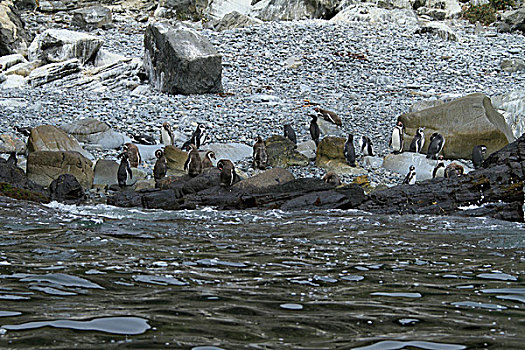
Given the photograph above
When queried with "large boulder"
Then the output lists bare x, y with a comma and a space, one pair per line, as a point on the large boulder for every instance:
178, 60
290, 10
330, 156
12, 33
9, 61
513, 21
92, 17
11, 143
58, 45
183, 9
45, 166
53, 71
233, 151
14, 183
404, 18
57, 5
51, 138
233, 20
465, 123
218, 9
93, 131
266, 179
175, 158
66, 188
512, 106
281, 153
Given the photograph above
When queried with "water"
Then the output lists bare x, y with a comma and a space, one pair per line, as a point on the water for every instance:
105, 277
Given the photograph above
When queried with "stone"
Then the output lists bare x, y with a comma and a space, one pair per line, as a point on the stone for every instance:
93, 131
281, 153
147, 152
425, 104
438, 28
92, 17
178, 60
330, 156
512, 65
23, 69
233, 151
51, 138
13, 36
66, 188
365, 12
307, 148
233, 20
53, 71
327, 128
372, 162
144, 185
58, 45
11, 143
512, 107
105, 172
217, 9
15, 184
106, 58
183, 10
13, 82
452, 8
175, 158
513, 20
290, 10
57, 5
266, 179
435, 14
9, 61
465, 123
45, 166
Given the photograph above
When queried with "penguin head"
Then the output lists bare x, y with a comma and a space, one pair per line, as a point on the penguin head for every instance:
483, 149
350, 138
123, 156
421, 131
259, 139
201, 127
210, 154
166, 125
400, 124
412, 168
159, 153
186, 146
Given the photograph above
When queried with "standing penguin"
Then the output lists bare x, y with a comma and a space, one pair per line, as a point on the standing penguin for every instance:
193, 164
228, 174
123, 170
260, 157
206, 162
12, 160
410, 179
396, 141
349, 150
166, 135
200, 136
366, 146
160, 168
439, 169
289, 133
437, 141
314, 130
332, 178
133, 154
328, 116
418, 141
477, 155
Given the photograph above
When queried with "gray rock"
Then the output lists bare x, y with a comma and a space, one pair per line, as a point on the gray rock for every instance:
13, 37
405, 18
435, 14
290, 10
512, 107
217, 9
233, 151
373, 162
13, 82
11, 143
513, 21
327, 128
106, 58
147, 152
57, 5
58, 45
9, 61
53, 71
105, 172
307, 148
51, 138
178, 60
23, 69
2, 78
66, 188
183, 9
266, 179
92, 17
233, 20
92, 131
438, 28
513, 65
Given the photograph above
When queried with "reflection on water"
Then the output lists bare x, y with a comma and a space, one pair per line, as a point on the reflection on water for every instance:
207, 279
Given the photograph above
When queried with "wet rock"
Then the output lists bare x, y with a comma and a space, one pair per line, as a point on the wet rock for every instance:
512, 106
465, 123
92, 17
342, 198
281, 153
11, 143
53, 71
9, 61
105, 173
45, 166
15, 184
175, 158
51, 138
512, 65
268, 178
233, 20
13, 37
178, 60
438, 28
92, 131
58, 45
67, 189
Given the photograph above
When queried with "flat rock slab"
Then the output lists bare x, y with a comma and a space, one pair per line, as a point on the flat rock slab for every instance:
424, 166
45, 166
233, 151
51, 138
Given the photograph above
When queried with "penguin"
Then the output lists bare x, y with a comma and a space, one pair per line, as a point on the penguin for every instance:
314, 130
396, 141
349, 150
160, 168
166, 134
453, 170
437, 141
144, 139
260, 157
366, 146
123, 170
12, 160
477, 155
24, 130
200, 136
332, 178
228, 174
439, 169
206, 162
328, 116
410, 179
193, 164
418, 141
289, 133
133, 154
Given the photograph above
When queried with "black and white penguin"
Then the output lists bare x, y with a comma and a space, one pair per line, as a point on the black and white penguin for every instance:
166, 134
133, 154
161, 167
410, 179
289, 133
206, 162
349, 150
396, 141
12, 160
24, 130
366, 146
332, 178
123, 170
478, 153
418, 141
314, 129
144, 139
193, 164
439, 169
200, 136
437, 141
260, 157
330, 116
228, 174
453, 170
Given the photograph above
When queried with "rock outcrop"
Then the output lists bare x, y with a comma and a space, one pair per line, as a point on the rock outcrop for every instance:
92, 17
67, 189
512, 21
51, 138
512, 106
330, 156
12, 33
281, 153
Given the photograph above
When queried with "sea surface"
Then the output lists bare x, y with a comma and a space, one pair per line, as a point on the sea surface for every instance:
105, 277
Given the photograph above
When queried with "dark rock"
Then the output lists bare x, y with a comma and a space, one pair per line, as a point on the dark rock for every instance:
513, 21
15, 184
179, 60
66, 188
268, 178
91, 17
185, 9
13, 37
289, 10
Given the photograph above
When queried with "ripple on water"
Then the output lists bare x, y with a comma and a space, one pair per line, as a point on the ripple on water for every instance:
161, 280
504, 291
291, 306
114, 325
474, 304
497, 276
62, 279
9, 313
352, 278
520, 298
206, 348
395, 345
397, 295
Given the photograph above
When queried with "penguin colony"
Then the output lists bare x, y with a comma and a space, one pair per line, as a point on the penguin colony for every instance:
130, 156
